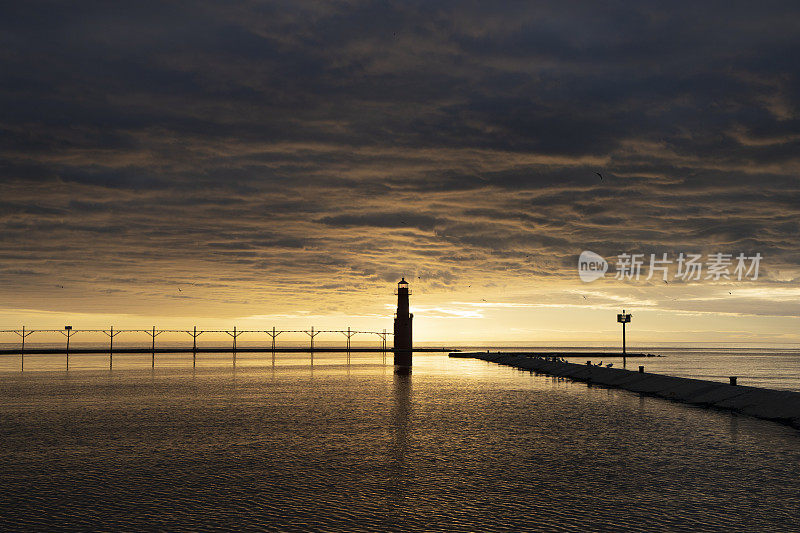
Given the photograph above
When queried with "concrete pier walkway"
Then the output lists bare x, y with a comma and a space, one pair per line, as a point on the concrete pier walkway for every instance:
775, 405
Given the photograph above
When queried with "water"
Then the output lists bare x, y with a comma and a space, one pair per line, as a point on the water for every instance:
777, 367
460, 445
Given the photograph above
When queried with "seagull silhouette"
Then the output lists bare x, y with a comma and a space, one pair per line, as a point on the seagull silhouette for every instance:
601, 176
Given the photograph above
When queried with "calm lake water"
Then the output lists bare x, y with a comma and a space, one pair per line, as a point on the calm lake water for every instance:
460, 445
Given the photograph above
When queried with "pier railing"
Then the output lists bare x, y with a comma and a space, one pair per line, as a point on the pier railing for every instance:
68, 332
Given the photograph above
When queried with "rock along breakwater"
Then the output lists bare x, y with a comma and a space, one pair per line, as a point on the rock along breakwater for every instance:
768, 404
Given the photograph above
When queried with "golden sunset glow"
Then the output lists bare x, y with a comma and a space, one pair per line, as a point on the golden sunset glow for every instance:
286, 167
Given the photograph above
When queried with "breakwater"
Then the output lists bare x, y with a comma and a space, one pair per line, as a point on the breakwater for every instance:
560, 355
205, 349
768, 404
194, 350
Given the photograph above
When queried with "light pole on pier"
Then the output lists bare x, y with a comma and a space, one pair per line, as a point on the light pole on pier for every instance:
68, 333
623, 319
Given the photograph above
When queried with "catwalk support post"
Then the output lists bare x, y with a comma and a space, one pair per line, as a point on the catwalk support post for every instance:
111, 334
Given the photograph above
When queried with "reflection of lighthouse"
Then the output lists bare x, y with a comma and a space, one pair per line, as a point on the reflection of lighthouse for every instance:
402, 327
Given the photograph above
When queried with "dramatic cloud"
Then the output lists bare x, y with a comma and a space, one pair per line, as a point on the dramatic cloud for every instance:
270, 157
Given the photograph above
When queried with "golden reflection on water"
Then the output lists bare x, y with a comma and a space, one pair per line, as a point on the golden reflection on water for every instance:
459, 445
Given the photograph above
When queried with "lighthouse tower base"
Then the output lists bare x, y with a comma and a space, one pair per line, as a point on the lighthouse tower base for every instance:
402, 341
402, 328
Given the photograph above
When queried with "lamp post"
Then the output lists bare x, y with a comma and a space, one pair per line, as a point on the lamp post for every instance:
623, 319
68, 333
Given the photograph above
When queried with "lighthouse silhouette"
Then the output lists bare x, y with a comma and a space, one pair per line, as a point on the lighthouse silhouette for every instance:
402, 328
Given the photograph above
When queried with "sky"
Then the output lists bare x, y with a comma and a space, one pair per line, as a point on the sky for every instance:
284, 163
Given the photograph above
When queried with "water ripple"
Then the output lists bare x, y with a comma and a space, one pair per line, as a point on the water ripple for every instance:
458, 446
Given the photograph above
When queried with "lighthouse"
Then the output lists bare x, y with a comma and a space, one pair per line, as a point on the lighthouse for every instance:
402, 328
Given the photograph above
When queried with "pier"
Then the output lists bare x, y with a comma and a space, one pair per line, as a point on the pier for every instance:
550, 354
208, 349
402, 344
768, 404
233, 348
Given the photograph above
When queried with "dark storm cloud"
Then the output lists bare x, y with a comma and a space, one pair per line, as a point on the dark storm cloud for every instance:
383, 220
285, 141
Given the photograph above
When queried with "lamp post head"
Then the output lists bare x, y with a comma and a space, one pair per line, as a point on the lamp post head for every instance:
67, 328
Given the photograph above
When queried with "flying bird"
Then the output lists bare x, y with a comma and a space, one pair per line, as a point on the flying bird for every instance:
667, 282
601, 176
584, 297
